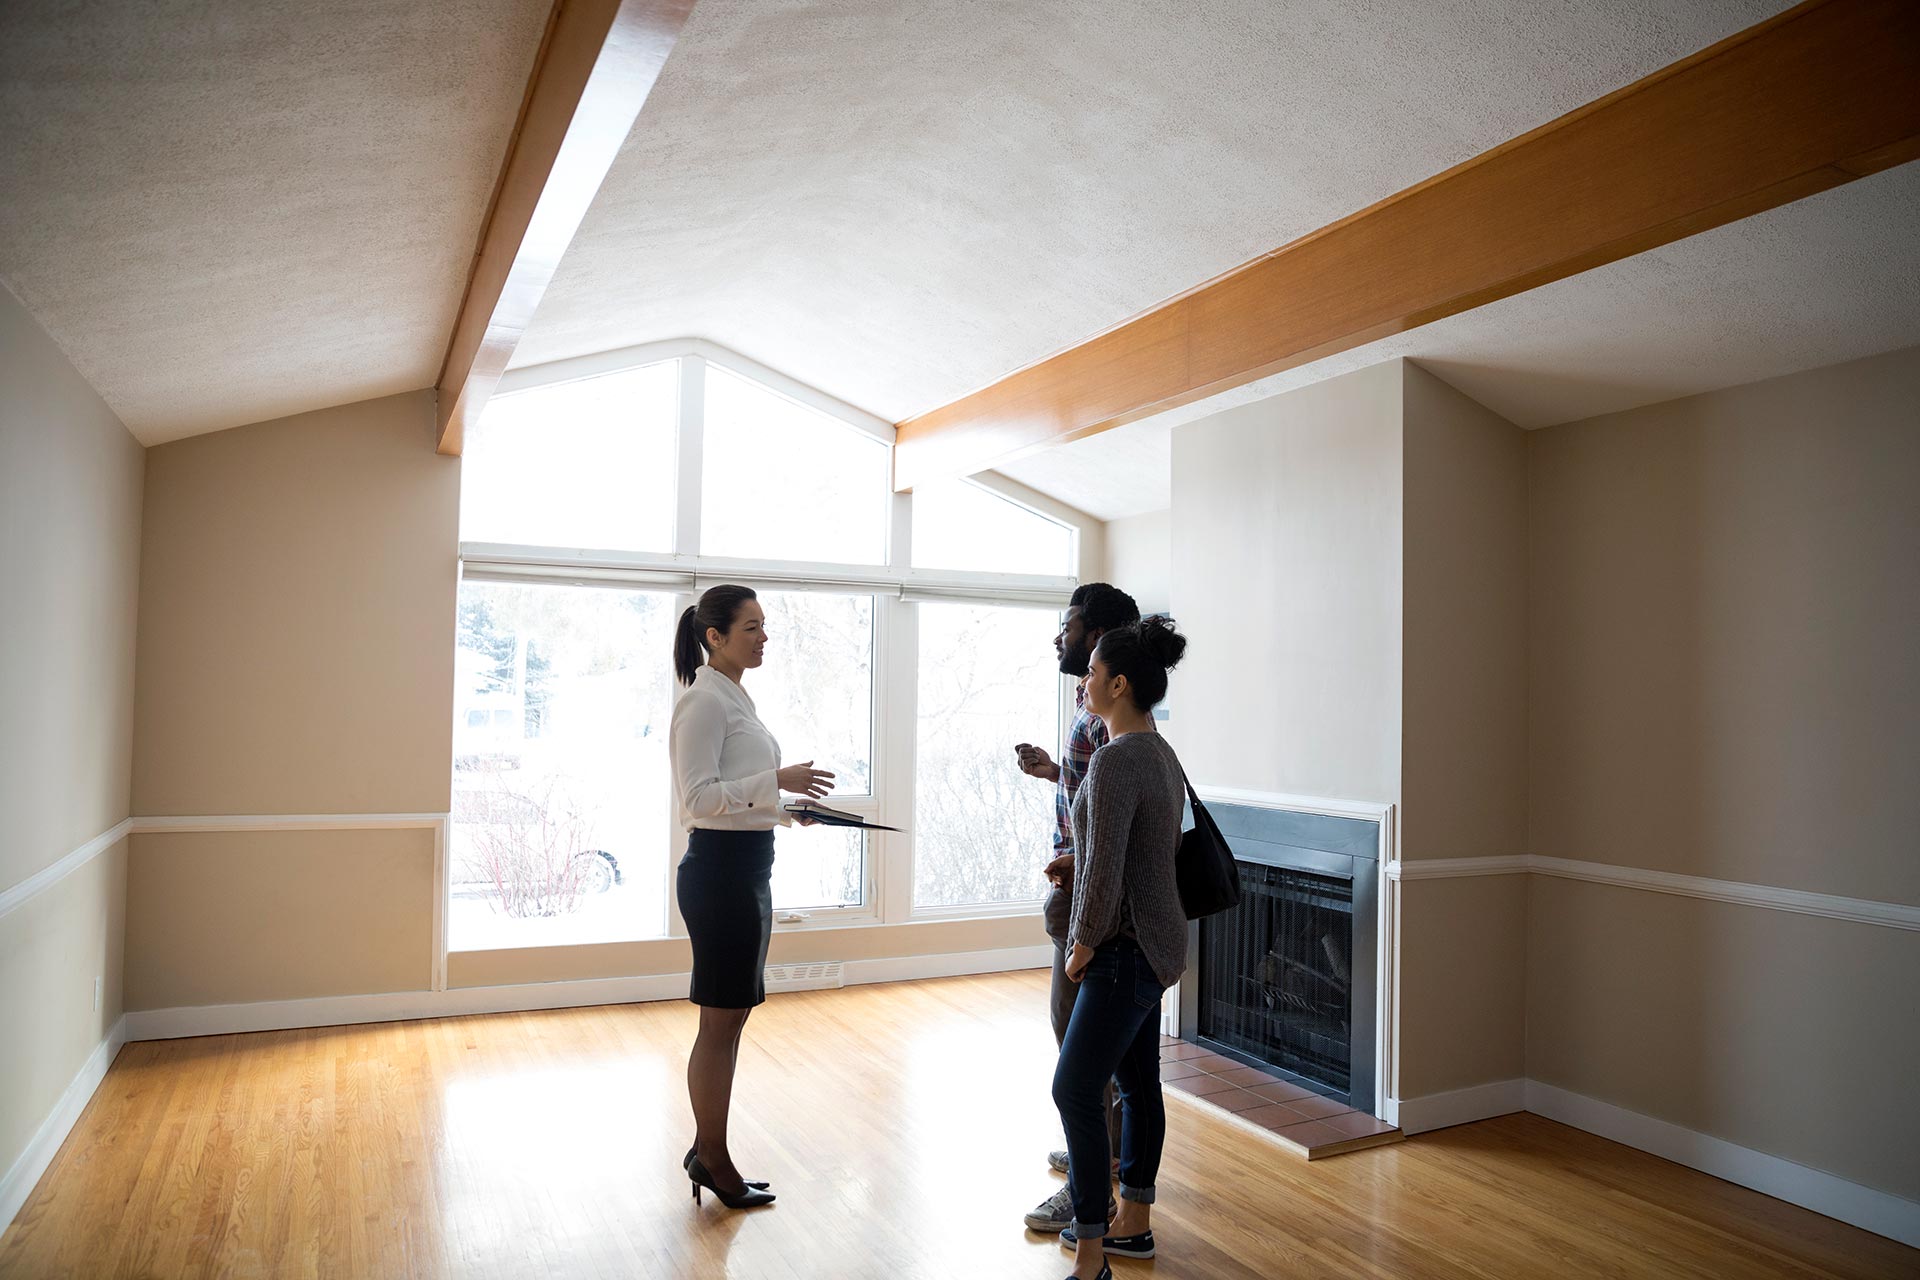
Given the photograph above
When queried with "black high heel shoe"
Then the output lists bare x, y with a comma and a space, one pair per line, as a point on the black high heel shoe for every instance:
748, 1199
694, 1150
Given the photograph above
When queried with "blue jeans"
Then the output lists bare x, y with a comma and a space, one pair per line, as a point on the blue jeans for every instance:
1114, 1034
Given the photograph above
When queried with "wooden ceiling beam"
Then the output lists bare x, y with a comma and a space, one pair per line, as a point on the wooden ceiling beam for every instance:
597, 63
1821, 94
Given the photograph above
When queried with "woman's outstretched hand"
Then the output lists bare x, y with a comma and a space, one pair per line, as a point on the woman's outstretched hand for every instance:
805, 780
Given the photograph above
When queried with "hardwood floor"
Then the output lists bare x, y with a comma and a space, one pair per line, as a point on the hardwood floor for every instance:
905, 1128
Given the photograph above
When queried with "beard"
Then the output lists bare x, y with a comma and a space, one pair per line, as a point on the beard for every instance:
1075, 662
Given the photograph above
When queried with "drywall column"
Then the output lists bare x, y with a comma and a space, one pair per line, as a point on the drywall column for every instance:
1348, 559
1464, 750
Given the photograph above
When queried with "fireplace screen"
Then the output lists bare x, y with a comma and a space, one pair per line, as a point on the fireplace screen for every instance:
1277, 973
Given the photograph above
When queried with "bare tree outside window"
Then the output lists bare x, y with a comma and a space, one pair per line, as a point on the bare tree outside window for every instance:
988, 679
815, 694
530, 842
560, 781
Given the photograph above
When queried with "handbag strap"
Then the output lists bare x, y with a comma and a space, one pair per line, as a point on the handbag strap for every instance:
1192, 795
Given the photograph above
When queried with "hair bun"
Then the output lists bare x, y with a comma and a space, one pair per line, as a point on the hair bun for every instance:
1162, 643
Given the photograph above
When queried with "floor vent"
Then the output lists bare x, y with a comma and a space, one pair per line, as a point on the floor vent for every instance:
805, 977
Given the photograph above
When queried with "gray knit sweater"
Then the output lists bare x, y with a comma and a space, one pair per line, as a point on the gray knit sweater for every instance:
1126, 829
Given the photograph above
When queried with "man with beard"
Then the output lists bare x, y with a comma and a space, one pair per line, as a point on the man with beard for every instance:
1095, 609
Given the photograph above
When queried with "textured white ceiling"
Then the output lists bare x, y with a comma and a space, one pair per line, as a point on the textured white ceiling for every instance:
228, 211
1830, 278
231, 210
900, 203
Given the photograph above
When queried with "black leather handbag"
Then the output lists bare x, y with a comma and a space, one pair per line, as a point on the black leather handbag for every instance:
1204, 869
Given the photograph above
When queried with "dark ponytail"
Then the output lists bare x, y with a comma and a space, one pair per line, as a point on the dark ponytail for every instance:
717, 609
1143, 652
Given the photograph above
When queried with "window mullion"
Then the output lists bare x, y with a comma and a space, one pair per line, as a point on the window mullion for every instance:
689, 451
897, 684
689, 440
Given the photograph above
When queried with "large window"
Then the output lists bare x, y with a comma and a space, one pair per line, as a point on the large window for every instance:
816, 690
989, 680
959, 525
911, 678
815, 694
560, 788
786, 480
580, 464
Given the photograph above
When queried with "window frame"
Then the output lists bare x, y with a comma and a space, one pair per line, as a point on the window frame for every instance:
896, 586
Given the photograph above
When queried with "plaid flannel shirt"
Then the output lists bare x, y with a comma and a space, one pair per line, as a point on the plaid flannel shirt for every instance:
1088, 735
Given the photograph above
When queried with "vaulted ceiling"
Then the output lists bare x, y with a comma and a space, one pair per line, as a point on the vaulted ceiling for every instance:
1830, 278
225, 212
899, 203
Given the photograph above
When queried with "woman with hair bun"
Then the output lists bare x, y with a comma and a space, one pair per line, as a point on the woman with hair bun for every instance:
727, 781
1128, 934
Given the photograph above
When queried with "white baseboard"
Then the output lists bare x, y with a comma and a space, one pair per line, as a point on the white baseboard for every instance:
952, 964
402, 1006
26, 1170
1880, 1212
1461, 1106
397, 1006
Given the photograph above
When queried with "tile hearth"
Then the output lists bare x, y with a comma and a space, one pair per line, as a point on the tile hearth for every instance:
1302, 1120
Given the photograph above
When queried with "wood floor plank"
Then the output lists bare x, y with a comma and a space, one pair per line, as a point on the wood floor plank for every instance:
904, 1127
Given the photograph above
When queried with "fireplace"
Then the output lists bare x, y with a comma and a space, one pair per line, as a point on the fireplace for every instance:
1286, 980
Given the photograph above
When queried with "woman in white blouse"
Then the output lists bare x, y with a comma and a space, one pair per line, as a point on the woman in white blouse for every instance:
727, 780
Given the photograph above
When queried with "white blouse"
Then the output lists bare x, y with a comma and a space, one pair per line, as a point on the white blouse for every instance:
724, 760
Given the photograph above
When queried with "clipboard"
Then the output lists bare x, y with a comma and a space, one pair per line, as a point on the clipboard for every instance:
834, 817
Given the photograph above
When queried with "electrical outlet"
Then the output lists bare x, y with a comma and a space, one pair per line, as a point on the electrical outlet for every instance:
99, 986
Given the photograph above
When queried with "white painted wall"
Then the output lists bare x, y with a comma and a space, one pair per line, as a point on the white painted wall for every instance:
1286, 577
1140, 559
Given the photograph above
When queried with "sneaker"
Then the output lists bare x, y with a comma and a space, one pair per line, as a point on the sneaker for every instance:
1056, 1211
1140, 1246
1057, 1161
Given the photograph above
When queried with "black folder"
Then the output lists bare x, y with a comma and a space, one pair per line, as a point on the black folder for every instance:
833, 817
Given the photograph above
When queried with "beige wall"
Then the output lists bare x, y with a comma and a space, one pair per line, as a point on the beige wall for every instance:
1722, 622
1140, 559
70, 480
297, 653
233, 917
70, 528
1790, 1034
1464, 779
296, 658
1463, 983
1286, 579
1464, 740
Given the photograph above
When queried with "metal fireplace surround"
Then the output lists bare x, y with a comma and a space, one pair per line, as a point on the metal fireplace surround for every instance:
1283, 1011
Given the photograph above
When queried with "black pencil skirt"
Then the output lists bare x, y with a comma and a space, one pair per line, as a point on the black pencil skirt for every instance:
725, 889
